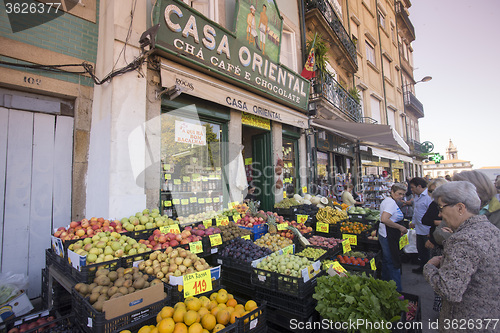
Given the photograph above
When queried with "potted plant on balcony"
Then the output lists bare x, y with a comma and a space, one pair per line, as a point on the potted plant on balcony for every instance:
355, 94
321, 49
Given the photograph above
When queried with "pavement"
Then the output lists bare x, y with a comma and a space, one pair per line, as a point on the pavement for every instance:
417, 285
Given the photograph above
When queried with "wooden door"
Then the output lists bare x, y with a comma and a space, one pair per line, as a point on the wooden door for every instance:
35, 188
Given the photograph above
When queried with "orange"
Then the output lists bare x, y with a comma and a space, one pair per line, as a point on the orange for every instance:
230, 296
195, 328
167, 312
166, 325
203, 311
250, 305
223, 317
213, 296
232, 302
218, 327
179, 304
222, 305
145, 329
180, 328
192, 303
233, 317
208, 321
158, 318
179, 315
224, 291
239, 308
212, 304
215, 310
230, 309
244, 314
204, 301
191, 317
221, 298
154, 330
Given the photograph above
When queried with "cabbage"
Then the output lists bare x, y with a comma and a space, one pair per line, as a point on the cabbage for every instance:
315, 200
297, 197
307, 197
306, 202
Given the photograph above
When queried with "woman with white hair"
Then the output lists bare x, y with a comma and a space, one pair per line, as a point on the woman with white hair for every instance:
467, 275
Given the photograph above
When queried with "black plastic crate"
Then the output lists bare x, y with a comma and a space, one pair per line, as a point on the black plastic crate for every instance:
140, 234
418, 314
239, 282
324, 255
285, 212
232, 263
176, 293
367, 268
58, 262
282, 283
302, 307
283, 321
93, 321
86, 274
59, 323
333, 230
128, 261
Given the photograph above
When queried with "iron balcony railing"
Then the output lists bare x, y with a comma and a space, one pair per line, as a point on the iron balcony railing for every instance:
404, 17
329, 89
412, 102
417, 146
335, 23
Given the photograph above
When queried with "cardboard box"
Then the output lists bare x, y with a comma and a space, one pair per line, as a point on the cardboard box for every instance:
128, 303
15, 307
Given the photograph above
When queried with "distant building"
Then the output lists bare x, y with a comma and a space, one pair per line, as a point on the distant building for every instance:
492, 172
450, 166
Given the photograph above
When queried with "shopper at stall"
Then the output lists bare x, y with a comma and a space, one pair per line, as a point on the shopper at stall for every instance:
467, 275
389, 231
421, 202
347, 196
490, 206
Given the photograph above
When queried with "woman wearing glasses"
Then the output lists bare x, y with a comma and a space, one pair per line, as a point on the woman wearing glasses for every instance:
467, 275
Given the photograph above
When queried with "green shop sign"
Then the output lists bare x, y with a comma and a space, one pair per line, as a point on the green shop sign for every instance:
184, 34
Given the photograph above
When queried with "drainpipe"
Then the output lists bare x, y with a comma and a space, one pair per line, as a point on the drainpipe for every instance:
382, 62
349, 26
302, 18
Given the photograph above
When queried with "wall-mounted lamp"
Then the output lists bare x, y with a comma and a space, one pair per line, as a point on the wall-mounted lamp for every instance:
311, 108
171, 92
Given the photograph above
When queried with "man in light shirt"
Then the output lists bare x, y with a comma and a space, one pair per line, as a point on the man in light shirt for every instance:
421, 202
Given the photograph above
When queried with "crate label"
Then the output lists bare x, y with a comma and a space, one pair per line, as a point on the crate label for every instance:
403, 241
197, 283
215, 240
177, 181
207, 223
372, 264
201, 200
336, 266
216, 200
168, 203
89, 322
222, 221
219, 261
302, 218
214, 250
262, 278
288, 249
346, 246
282, 226
253, 323
322, 227
236, 217
246, 237
135, 302
353, 239
196, 247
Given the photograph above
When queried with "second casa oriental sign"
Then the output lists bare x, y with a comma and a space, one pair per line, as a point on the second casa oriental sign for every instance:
249, 60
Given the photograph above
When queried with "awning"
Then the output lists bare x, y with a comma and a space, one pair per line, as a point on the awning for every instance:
375, 135
391, 155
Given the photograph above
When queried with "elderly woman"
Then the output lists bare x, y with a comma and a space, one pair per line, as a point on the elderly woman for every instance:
467, 275
390, 230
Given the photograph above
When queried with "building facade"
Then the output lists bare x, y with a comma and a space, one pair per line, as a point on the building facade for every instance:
449, 166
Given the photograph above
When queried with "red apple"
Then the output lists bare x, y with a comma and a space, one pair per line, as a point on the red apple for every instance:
57, 233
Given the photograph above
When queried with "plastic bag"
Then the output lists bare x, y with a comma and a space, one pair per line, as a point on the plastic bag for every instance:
11, 284
412, 242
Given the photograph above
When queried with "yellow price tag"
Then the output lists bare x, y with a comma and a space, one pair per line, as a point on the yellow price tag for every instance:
197, 283
166, 167
282, 226
248, 161
186, 179
403, 241
192, 200
185, 202
164, 229
216, 200
208, 200
246, 237
353, 239
236, 217
215, 240
168, 176
201, 200
288, 249
174, 229
284, 195
338, 267
302, 218
232, 205
196, 177
207, 223
322, 227
204, 178
168, 203
196, 247
346, 246
222, 221
176, 201
304, 189
372, 264
177, 181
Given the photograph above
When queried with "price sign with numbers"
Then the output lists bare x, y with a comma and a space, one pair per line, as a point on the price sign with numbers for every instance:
174, 229
207, 223
215, 240
338, 267
192, 200
284, 195
288, 249
282, 226
302, 218
353, 239
166, 167
246, 237
222, 221
197, 283
403, 241
196, 247
186, 179
232, 205
216, 200
346, 246
322, 227
304, 189
177, 181
168, 203
208, 200
176, 201
372, 264
201, 200
236, 217
185, 202
168, 176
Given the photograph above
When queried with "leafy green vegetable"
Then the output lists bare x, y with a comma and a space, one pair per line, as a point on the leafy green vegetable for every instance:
344, 299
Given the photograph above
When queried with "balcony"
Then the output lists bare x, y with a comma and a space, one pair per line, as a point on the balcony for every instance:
321, 13
413, 104
404, 23
330, 95
415, 147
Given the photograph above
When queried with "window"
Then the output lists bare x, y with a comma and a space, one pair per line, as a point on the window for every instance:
370, 53
375, 109
387, 67
337, 7
206, 7
393, 33
391, 114
381, 19
287, 54
355, 33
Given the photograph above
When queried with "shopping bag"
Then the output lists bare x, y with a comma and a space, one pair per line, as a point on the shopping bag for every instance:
412, 242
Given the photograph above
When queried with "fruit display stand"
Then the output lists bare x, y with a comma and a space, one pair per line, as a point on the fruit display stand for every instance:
46, 321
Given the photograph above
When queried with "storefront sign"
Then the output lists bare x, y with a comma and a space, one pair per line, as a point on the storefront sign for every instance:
184, 33
255, 121
190, 133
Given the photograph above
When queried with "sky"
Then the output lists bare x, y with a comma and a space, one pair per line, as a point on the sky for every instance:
458, 44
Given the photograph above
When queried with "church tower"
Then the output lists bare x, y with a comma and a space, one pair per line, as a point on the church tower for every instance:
451, 152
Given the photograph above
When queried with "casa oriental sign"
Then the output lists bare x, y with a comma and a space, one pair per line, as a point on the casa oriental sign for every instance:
188, 37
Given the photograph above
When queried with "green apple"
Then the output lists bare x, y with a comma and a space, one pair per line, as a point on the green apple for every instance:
91, 258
